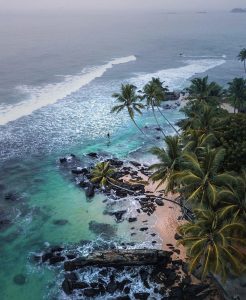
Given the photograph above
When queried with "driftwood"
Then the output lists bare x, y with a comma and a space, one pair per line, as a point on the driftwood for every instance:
117, 258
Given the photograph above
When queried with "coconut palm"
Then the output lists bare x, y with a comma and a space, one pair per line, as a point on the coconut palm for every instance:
214, 243
163, 89
196, 141
201, 119
242, 57
153, 96
237, 92
129, 100
203, 91
233, 200
169, 162
201, 179
103, 174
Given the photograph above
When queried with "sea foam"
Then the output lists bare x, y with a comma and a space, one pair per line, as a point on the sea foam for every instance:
51, 93
176, 78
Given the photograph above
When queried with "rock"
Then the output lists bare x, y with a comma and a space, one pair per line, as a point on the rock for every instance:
4, 223
141, 296
80, 171
80, 285
103, 229
115, 162
60, 222
12, 196
67, 286
56, 249
63, 160
84, 184
123, 298
135, 163
143, 228
71, 255
56, 259
158, 128
93, 154
144, 277
159, 202
72, 276
46, 256
90, 192
19, 279
90, 292
127, 290
176, 292
118, 215
177, 236
133, 219
176, 251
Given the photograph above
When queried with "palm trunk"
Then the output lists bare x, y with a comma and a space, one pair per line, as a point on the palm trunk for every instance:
168, 121
244, 62
157, 121
119, 187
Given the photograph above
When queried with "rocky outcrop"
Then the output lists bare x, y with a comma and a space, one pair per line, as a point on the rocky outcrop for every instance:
117, 258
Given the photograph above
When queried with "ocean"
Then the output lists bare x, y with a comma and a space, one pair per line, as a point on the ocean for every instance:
57, 75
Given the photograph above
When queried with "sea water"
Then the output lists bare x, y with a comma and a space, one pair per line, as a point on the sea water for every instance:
57, 75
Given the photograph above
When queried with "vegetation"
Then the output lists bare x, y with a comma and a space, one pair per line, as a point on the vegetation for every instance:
206, 164
242, 57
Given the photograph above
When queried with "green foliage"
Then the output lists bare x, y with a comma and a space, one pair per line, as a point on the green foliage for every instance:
242, 57
237, 93
231, 135
169, 162
102, 174
214, 242
129, 100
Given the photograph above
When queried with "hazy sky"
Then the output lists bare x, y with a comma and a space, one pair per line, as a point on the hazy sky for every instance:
27, 5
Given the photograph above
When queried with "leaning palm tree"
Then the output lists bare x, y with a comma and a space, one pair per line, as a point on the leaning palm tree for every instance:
214, 243
159, 86
233, 200
129, 100
153, 95
103, 174
242, 57
237, 92
201, 178
169, 163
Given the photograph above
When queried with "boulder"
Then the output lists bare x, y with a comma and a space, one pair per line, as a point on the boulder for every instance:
90, 292
67, 286
141, 296
80, 171
159, 202
93, 154
63, 160
177, 236
56, 259
90, 192
132, 219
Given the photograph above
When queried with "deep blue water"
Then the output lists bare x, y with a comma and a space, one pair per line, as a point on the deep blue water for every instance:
57, 75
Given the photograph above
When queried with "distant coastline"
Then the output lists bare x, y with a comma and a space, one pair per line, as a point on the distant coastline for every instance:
238, 10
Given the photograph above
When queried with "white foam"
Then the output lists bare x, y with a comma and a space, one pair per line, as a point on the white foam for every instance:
176, 78
51, 93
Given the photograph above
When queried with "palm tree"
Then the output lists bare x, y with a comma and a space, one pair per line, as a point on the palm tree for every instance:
200, 117
200, 179
159, 86
153, 95
203, 91
233, 200
169, 162
237, 92
214, 243
103, 174
196, 141
129, 100
242, 57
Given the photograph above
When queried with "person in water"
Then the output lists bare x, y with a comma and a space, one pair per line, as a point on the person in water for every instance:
108, 135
